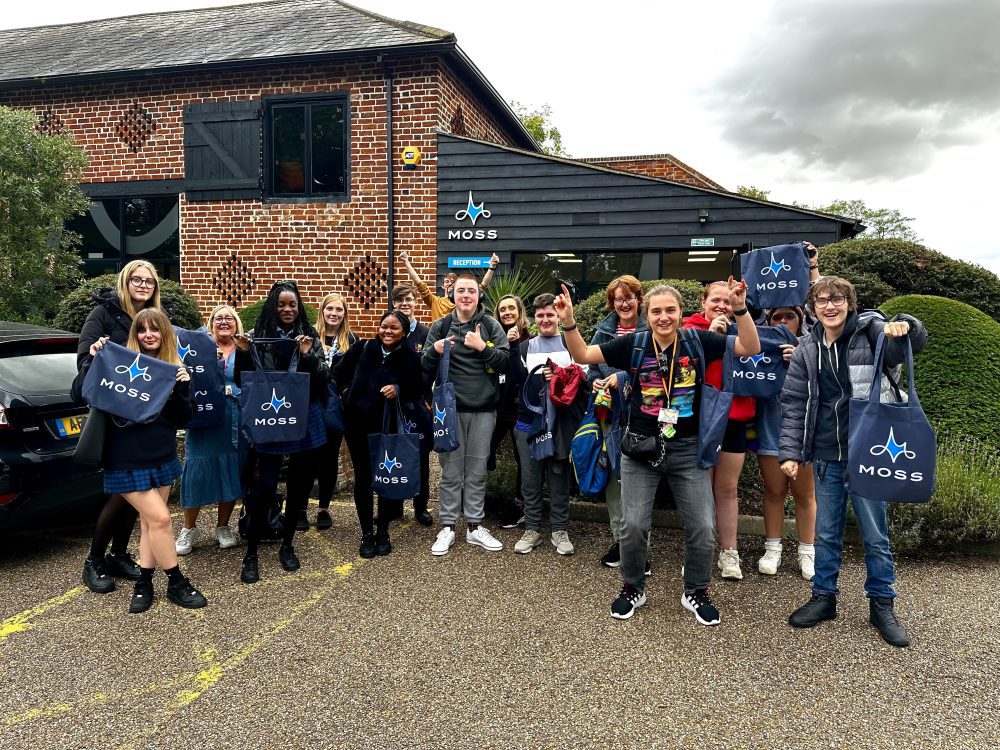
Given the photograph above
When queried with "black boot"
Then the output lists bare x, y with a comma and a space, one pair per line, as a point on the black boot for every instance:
121, 565
323, 519
95, 575
882, 614
367, 548
251, 570
423, 517
820, 607
289, 560
183, 594
142, 597
303, 523
382, 544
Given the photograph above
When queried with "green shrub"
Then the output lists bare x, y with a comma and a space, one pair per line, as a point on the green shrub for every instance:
76, 306
871, 290
250, 313
591, 311
959, 368
965, 508
910, 268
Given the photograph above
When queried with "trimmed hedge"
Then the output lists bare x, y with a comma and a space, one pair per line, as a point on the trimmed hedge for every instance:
959, 368
905, 267
591, 311
250, 313
74, 309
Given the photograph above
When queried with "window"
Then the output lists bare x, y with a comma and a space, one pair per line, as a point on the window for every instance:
588, 272
308, 148
115, 231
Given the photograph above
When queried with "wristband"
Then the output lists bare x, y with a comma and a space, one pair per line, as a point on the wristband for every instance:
570, 328
741, 311
814, 266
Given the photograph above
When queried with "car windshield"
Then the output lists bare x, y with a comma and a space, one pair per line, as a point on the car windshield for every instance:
38, 373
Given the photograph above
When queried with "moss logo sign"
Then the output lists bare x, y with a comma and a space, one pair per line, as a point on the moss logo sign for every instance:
473, 212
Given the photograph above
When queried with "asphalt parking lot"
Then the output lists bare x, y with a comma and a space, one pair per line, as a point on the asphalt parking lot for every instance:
483, 650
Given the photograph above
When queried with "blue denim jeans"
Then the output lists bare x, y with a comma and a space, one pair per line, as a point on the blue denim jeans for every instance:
831, 516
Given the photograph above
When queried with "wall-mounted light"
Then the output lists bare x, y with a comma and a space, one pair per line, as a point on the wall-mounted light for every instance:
703, 216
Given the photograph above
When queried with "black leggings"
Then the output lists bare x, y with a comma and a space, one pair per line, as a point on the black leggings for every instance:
115, 525
329, 466
301, 475
357, 444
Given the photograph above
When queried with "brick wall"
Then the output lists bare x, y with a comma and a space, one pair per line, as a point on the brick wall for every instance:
318, 244
663, 166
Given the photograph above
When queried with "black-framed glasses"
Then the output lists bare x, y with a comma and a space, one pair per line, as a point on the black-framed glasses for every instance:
626, 300
223, 319
836, 300
141, 281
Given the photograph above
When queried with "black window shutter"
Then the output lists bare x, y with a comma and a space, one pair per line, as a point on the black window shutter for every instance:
222, 142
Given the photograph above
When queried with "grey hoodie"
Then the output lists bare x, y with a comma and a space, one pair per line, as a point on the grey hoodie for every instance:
475, 374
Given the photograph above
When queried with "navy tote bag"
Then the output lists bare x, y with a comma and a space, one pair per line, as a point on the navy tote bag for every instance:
763, 374
127, 384
713, 407
776, 276
395, 459
274, 404
445, 408
333, 414
199, 354
541, 444
891, 447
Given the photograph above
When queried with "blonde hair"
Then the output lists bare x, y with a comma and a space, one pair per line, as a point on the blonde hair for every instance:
122, 286
344, 334
158, 321
225, 309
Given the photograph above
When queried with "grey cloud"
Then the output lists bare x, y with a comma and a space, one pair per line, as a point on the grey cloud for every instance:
864, 89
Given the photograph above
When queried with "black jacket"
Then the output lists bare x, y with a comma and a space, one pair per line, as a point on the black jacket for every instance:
364, 372
108, 318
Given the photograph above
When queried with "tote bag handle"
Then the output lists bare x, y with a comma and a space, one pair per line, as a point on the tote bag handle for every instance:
875, 393
292, 364
444, 363
399, 419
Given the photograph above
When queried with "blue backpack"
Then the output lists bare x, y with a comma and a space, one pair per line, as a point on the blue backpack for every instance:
589, 454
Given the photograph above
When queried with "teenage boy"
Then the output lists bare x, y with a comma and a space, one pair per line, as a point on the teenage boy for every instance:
830, 366
547, 346
441, 306
479, 355
404, 300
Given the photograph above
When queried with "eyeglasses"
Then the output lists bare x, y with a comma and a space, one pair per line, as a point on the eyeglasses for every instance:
140, 282
223, 319
836, 300
626, 300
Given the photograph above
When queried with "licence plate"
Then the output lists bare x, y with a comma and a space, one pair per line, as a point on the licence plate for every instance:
70, 426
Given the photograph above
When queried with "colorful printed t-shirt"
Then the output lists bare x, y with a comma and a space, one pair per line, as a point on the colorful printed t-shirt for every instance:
649, 397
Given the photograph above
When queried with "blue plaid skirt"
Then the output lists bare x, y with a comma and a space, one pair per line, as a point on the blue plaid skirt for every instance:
315, 437
139, 480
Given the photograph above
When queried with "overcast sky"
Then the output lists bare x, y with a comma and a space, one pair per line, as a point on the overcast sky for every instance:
895, 102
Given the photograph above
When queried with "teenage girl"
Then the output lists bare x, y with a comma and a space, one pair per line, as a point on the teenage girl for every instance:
140, 464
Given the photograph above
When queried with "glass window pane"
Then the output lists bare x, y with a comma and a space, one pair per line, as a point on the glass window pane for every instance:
289, 148
100, 230
328, 149
603, 267
702, 264
152, 228
560, 267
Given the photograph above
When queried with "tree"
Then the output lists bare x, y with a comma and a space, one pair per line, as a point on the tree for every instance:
39, 190
538, 123
752, 191
882, 223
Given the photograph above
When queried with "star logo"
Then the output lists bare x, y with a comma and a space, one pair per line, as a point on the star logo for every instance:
275, 403
776, 267
184, 351
134, 371
894, 449
388, 464
472, 212
439, 414
756, 359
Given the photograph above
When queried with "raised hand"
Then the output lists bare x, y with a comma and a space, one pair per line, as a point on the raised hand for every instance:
494, 261
786, 351
737, 293
474, 339
183, 375
896, 329
513, 334
404, 256
564, 307
305, 344
98, 345
242, 341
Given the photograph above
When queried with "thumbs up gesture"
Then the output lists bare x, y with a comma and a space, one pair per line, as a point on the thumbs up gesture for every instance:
474, 339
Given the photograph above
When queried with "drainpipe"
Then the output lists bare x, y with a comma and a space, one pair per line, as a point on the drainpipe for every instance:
389, 178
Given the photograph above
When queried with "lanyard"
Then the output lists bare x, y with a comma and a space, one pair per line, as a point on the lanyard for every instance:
670, 379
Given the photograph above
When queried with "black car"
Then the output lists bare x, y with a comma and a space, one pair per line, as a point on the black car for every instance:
39, 425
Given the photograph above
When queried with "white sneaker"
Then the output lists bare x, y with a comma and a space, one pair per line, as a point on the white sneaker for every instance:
729, 564
528, 541
807, 563
560, 540
769, 563
225, 537
186, 539
445, 538
482, 537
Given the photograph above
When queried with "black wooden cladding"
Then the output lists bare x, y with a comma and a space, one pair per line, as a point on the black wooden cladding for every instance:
222, 147
545, 204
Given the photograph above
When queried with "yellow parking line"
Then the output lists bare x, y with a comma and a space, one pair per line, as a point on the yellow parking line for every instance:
22, 621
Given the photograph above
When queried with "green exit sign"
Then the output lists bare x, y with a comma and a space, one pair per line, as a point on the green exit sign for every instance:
703, 242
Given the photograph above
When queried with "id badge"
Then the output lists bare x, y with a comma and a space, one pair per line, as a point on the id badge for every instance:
669, 416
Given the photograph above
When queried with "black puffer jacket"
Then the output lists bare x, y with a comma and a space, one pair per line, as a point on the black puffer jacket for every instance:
363, 371
799, 396
108, 318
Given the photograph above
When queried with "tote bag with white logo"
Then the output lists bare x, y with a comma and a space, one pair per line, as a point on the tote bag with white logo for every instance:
763, 374
444, 406
776, 276
199, 354
127, 384
395, 458
274, 404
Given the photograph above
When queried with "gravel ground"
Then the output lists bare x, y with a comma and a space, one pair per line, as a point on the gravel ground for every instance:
484, 650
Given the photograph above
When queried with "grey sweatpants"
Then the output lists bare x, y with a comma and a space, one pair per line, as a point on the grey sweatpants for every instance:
463, 471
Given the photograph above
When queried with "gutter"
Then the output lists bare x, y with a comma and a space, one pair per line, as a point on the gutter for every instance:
390, 184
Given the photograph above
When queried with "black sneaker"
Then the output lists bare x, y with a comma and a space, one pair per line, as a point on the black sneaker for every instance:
251, 570
698, 603
382, 544
613, 557
820, 607
96, 577
121, 565
303, 523
323, 520
512, 518
185, 595
142, 597
289, 560
628, 601
367, 548
649, 570
882, 614
423, 517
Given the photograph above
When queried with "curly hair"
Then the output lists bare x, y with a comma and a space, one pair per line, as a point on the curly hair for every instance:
630, 287
267, 324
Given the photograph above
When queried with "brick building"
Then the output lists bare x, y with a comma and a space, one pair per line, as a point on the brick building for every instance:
236, 146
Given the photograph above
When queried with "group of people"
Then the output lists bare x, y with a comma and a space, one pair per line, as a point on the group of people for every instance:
645, 359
